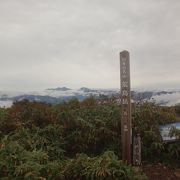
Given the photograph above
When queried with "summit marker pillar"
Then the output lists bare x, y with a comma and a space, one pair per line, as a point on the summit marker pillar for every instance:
126, 124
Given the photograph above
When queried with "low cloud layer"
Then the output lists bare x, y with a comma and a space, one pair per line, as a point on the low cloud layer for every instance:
76, 43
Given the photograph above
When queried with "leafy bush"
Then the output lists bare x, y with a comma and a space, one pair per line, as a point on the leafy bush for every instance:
106, 166
79, 140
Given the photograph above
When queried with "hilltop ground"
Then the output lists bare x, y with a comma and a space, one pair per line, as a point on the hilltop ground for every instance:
161, 172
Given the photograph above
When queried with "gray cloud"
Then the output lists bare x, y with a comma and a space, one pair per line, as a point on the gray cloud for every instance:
76, 43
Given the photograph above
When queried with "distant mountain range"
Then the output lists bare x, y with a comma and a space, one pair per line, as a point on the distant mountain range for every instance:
57, 95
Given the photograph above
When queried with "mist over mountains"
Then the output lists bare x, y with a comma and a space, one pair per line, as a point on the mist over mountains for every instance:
60, 94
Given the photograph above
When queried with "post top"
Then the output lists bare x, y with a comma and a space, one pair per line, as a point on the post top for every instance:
124, 52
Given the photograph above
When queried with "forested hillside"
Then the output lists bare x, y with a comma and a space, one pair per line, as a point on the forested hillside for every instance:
80, 140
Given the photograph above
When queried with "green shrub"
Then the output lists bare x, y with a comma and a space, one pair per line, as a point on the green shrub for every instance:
104, 167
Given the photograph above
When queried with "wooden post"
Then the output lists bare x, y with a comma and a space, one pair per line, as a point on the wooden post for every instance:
126, 127
137, 150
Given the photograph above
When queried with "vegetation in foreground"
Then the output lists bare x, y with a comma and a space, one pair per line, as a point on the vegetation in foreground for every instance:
80, 140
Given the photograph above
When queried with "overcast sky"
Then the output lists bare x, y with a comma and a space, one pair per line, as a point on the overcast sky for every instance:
75, 43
